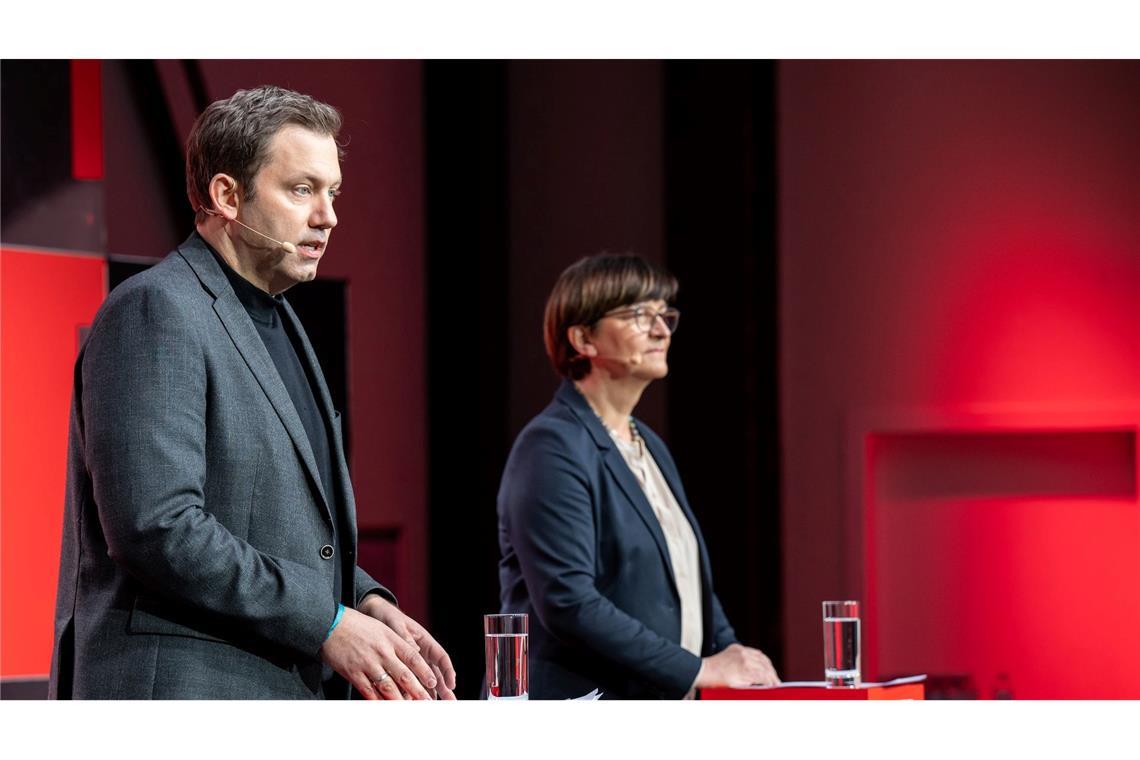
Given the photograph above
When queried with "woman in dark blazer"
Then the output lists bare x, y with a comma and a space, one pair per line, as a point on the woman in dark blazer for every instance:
599, 545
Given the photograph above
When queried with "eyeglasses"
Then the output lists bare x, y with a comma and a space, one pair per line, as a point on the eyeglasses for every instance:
645, 317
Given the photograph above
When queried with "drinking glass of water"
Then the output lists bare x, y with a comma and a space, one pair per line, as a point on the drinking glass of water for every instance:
505, 637
841, 643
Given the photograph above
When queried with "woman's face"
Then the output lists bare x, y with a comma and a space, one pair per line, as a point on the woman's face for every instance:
633, 341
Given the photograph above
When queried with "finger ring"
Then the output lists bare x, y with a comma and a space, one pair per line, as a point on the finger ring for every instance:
381, 679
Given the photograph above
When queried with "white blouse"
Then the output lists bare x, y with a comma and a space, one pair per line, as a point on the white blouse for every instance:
679, 537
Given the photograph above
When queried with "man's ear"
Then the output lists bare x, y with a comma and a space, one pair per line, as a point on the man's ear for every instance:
224, 195
579, 338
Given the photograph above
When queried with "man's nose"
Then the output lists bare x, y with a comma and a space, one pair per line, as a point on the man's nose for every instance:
324, 216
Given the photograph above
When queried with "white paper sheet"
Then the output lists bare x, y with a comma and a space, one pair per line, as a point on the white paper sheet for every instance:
823, 684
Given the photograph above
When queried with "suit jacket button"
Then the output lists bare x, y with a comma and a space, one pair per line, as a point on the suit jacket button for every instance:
326, 552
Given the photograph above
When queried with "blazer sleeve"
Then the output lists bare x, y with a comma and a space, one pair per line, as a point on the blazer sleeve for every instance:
723, 633
144, 428
365, 584
549, 507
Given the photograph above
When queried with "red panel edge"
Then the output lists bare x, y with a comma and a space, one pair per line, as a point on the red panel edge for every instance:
870, 623
913, 691
87, 120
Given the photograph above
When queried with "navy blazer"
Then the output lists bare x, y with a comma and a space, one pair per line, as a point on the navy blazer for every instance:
584, 555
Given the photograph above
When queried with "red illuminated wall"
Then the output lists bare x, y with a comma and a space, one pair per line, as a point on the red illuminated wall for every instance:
45, 298
960, 274
1000, 542
86, 120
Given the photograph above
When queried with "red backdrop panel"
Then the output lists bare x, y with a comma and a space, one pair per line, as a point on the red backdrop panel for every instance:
45, 298
87, 120
961, 234
1001, 552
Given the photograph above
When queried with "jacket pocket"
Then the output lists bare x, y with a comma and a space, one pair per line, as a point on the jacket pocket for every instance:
151, 616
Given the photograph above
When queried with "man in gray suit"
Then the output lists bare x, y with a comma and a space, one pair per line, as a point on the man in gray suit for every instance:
209, 539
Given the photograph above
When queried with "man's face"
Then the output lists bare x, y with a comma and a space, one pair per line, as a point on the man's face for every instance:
293, 203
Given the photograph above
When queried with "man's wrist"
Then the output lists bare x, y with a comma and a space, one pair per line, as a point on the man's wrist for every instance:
374, 590
370, 599
336, 620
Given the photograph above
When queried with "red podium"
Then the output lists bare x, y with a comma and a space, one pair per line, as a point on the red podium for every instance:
904, 688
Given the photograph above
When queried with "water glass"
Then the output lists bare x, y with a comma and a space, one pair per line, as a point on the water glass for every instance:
841, 644
505, 638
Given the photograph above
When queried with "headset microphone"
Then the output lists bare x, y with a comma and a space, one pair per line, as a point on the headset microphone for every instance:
285, 246
635, 359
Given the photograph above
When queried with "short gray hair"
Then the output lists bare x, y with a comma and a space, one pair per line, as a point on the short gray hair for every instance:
232, 136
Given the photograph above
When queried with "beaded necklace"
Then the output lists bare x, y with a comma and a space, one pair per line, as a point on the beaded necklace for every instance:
633, 431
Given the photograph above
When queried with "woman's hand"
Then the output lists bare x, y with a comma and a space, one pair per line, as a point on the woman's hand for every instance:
736, 667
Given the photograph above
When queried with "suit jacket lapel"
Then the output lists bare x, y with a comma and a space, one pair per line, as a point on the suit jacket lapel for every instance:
673, 479
244, 335
324, 399
625, 478
618, 469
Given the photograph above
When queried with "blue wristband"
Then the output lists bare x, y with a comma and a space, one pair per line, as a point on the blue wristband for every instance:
339, 615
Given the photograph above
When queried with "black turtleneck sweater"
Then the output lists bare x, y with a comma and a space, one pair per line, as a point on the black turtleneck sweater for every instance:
284, 347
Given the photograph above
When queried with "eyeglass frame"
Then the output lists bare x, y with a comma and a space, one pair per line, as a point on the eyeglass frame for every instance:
640, 312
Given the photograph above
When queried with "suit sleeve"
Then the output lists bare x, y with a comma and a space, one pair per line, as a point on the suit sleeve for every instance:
365, 585
144, 401
549, 508
723, 633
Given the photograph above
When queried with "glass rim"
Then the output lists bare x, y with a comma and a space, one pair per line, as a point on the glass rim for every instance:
506, 623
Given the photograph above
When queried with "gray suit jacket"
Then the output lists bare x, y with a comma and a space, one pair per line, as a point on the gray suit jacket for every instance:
196, 529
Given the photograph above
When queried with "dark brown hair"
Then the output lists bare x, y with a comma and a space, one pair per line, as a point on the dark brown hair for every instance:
232, 136
587, 290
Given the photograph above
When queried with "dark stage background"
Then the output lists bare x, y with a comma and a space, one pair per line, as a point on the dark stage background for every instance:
533, 165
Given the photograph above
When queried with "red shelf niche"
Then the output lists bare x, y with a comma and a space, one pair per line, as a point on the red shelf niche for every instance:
1005, 551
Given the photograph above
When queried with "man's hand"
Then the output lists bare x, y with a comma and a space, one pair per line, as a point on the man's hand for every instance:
380, 608
736, 667
377, 660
